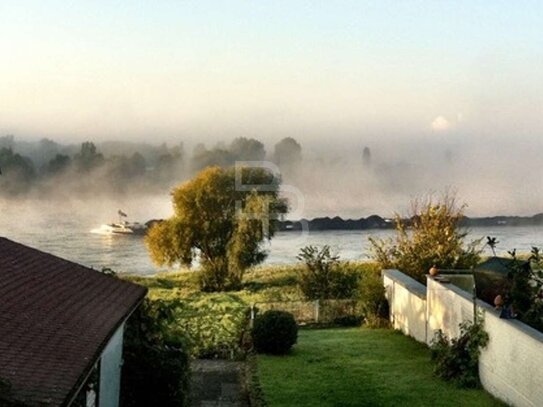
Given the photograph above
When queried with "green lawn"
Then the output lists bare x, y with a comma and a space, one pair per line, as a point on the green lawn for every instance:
359, 367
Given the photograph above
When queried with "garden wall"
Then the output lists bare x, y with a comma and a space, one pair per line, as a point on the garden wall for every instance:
511, 367
407, 299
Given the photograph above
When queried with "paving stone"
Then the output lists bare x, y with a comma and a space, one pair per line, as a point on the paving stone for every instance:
217, 383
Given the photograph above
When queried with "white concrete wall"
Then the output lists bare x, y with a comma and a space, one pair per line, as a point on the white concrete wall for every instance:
407, 299
110, 370
448, 306
510, 367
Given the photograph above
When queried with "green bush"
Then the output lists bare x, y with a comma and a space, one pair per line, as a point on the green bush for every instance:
457, 360
324, 276
525, 288
373, 303
156, 361
345, 281
214, 324
431, 236
275, 332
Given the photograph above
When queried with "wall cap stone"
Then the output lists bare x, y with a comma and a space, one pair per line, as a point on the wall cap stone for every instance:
405, 281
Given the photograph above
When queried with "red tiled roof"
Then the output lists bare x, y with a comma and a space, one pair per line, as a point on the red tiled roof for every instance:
55, 319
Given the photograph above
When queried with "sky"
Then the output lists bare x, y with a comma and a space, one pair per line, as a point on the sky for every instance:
316, 70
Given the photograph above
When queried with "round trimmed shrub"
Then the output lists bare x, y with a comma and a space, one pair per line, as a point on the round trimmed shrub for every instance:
275, 332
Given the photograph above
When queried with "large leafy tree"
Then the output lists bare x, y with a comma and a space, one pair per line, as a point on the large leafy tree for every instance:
221, 220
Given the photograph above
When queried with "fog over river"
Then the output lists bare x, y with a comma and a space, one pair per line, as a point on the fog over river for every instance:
64, 229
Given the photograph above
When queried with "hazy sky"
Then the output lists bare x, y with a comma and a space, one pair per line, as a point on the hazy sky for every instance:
312, 69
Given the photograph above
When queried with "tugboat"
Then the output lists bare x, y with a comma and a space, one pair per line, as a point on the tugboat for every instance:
122, 227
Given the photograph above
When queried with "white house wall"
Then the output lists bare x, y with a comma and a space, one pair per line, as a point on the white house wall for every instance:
110, 370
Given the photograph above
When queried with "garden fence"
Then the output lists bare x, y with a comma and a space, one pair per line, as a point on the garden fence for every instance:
311, 312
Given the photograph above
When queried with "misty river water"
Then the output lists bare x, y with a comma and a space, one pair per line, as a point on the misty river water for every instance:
65, 230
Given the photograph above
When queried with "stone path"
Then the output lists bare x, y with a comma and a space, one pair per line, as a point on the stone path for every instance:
217, 383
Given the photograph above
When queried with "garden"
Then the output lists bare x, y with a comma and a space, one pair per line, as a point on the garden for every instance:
359, 367
224, 310
213, 324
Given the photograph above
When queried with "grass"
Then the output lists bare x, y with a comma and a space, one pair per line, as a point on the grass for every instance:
271, 283
212, 324
260, 284
359, 367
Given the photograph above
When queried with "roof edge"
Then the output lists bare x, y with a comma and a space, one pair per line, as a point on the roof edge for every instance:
88, 370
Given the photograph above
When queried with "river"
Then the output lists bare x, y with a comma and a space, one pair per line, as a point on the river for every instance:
65, 230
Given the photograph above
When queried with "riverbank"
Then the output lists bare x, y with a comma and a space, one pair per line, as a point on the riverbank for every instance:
378, 222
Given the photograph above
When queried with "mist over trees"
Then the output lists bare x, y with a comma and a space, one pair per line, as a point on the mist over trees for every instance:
18, 172
244, 149
202, 157
287, 155
332, 176
47, 168
240, 149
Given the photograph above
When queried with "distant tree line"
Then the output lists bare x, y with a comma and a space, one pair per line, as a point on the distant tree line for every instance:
47, 167
287, 154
